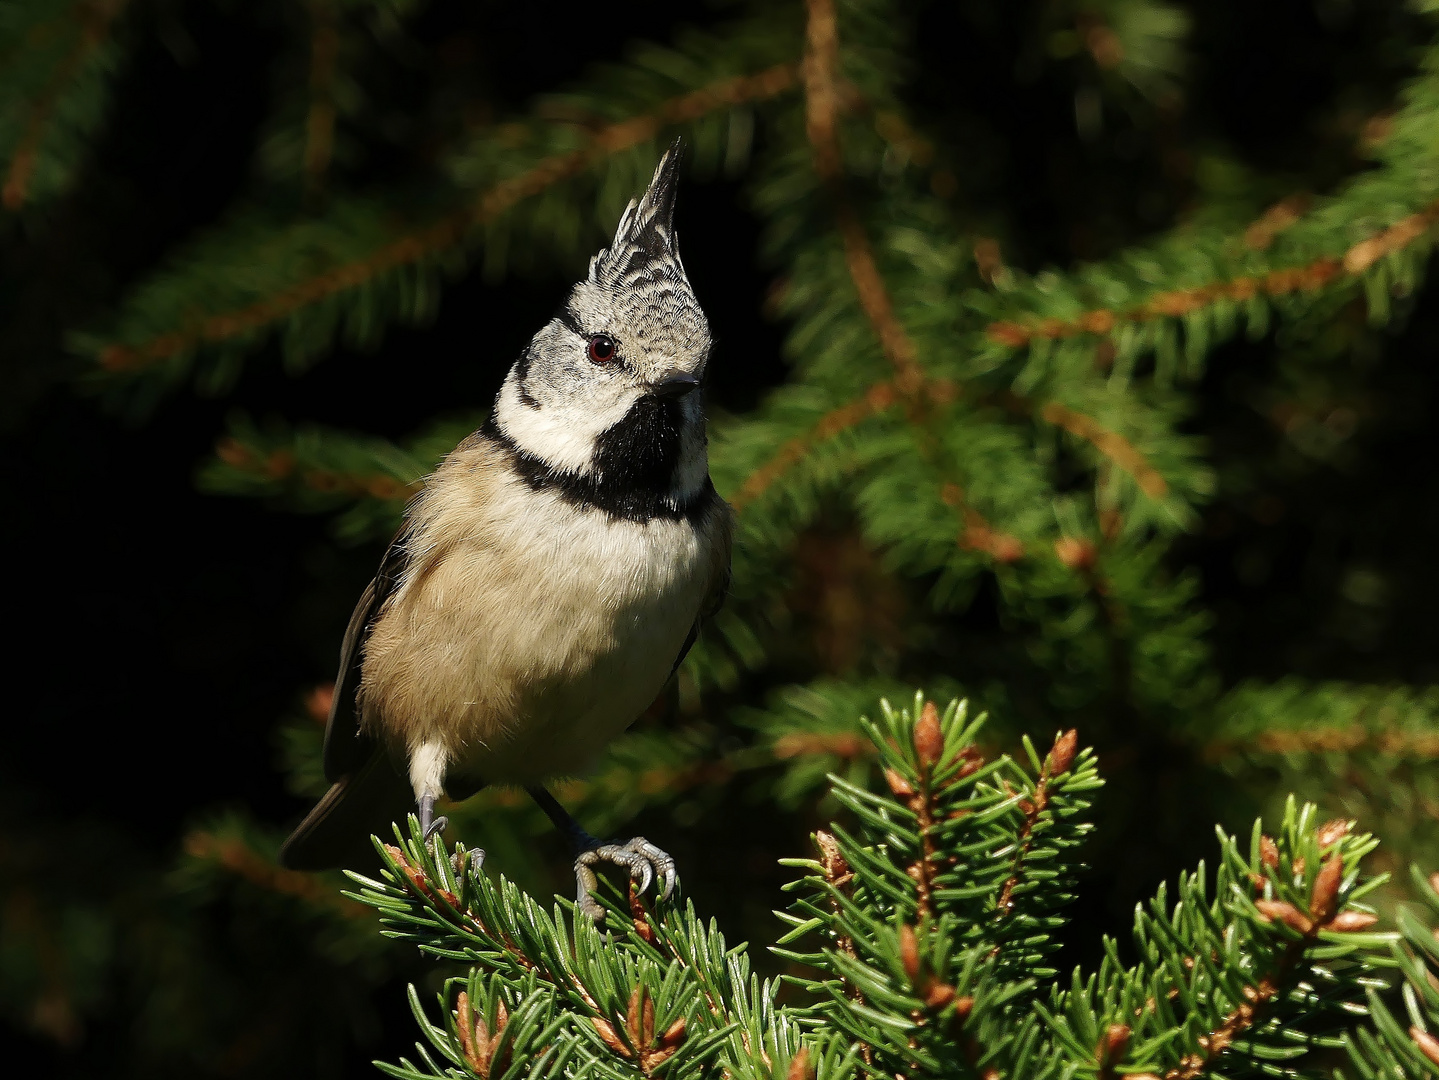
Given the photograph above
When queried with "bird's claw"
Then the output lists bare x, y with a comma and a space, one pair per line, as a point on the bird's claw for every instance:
643, 860
439, 825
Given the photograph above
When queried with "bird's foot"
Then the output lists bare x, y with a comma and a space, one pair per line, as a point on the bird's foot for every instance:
464, 859
430, 826
643, 860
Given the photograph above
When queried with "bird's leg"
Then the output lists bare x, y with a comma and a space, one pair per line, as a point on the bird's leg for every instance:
427, 778
429, 824
643, 860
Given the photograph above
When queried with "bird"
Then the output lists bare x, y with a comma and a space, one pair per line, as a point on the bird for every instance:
550, 576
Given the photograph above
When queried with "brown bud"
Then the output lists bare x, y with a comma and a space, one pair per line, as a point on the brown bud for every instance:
611, 1037
1115, 1041
640, 1017
1428, 1044
1326, 887
1284, 912
1434, 881
318, 702
1269, 852
675, 1033
639, 916
970, 761
928, 737
1061, 756
898, 784
799, 1065
940, 995
909, 953
1350, 921
1075, 552
232, 452
652, 1059
836, 869
465, 1024
1331, 832
963, 1007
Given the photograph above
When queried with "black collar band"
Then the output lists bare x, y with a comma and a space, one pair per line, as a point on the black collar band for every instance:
619, 499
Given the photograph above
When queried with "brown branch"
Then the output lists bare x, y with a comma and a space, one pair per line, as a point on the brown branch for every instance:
840, 877
1307, 278
1331, 740
448, 231
320, 121
978, 534
95, 20
823, 100
281, 465
237, 857
1056, 763
877, 399
1111, 444
1325, 913
847, 746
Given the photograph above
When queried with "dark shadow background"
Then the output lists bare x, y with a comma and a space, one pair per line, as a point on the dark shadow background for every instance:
158, 633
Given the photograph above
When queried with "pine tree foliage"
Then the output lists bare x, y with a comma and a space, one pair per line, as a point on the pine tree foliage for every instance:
926, 924
1390, 1049
57, 59
989, 436
939, 401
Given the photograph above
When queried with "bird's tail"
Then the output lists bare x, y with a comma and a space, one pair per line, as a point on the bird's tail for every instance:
337, 831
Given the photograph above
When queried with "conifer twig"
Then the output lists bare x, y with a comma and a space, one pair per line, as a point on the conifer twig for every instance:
240, 859
978, 534
1310, 277
449, 231
1328, 740
840, 877
822, 105
1322, 914
877, 399
1056, 763
280, 465
320, 119
95, 20
1112, 445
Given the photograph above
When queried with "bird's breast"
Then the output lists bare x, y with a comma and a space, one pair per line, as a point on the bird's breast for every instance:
529, 631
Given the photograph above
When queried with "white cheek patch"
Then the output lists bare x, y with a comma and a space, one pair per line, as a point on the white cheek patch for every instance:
561, 434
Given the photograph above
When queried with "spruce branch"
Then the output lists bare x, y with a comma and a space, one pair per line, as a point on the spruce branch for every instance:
1276, 959
67, 96
823, 99
400, 246
1308, 278
227, 847
365, 481
320, 114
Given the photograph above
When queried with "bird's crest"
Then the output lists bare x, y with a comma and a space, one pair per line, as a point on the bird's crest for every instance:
644, 244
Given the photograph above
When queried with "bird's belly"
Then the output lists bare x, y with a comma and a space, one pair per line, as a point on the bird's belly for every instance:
525, 659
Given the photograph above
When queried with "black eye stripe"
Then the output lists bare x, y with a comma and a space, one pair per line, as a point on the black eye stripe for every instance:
568, 320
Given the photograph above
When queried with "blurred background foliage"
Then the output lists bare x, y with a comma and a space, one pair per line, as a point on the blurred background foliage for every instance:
1074, 356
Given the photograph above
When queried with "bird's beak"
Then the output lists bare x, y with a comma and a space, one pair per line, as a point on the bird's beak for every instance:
674, 384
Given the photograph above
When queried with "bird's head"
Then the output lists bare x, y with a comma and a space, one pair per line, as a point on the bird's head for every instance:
609, 387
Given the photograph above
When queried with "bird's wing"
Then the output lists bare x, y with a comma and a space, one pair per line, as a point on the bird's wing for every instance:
347, 749
719, 583
336, 832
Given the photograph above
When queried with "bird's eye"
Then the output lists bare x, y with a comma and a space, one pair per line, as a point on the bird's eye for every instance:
602, 349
